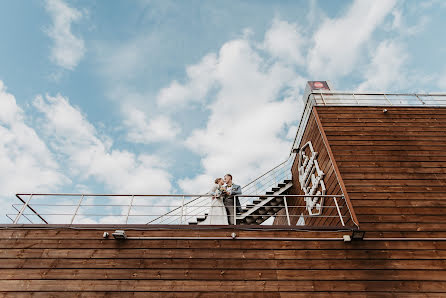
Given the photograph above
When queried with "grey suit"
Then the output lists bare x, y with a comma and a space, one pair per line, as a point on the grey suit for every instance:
228, 200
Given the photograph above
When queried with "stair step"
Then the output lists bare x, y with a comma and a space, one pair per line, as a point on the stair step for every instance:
286, 181
259, 220
249, 220
281, 185
193, 222
274, 189
256, 201
269, 192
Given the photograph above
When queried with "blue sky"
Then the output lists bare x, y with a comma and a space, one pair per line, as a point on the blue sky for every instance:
163, 96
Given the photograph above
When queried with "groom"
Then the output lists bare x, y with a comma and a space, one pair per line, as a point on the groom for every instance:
231, 191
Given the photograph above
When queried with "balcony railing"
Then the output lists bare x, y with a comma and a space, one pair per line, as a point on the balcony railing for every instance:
139, 209
335, 98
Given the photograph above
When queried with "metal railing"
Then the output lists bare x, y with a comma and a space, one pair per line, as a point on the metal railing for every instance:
335, 98
137, 209
258, 186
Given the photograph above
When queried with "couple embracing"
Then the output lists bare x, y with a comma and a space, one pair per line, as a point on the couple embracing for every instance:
223, 200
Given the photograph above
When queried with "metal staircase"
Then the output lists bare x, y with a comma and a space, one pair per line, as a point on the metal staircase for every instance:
255, 210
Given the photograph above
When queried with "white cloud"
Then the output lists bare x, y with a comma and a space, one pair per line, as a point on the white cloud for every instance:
26, 164
89, 154
399, 24
141, 130
200, 79
68, 49
249, 114
339, 42
386, 69
441, 81
285, 41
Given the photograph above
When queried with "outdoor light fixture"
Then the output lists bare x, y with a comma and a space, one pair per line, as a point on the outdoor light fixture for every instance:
347, 238
119, 235
358, 235
105, 235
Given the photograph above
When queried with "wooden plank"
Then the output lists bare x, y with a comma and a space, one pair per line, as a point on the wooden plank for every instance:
394, 176
412, 109
399, 189
383, 164
411, 218
405, 226
399, 196
210, 274
247, 254
393, 158
144, 294
387, 202
304, 294
86, 234
440, 183
222, 244
221, 286
402, 211
387, 143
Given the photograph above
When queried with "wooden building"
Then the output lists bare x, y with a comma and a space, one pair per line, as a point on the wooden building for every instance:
386, 158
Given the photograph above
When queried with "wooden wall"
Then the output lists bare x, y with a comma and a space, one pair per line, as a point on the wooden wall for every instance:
393, 165
79, 262
329, 217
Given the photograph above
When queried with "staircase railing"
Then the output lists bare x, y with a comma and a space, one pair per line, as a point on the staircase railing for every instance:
257, 186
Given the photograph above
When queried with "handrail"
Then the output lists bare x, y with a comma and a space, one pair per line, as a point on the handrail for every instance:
310, 102
243, 189
58, 214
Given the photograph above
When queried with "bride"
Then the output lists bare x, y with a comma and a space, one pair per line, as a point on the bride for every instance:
217, 212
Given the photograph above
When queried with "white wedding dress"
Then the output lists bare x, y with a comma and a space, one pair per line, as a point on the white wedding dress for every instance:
217, 212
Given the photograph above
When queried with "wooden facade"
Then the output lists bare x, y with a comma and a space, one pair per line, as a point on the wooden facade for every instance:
391, 167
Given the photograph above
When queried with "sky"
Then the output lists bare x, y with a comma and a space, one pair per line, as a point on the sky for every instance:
161, 97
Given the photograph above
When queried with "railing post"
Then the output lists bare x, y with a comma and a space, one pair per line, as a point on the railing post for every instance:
182, 211
339, 211
322, 97
416, 95
390, 103
354, 97
77, 208
286, 211
23, 209
235, 210
130, 208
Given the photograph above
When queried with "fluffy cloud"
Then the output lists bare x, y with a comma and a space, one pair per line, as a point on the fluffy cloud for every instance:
249, 116
285, 41
141, 130
89, 154
386, 69
339, 42
26, 164
68, 49
201, 78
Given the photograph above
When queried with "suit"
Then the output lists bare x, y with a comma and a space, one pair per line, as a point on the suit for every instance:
228, 200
